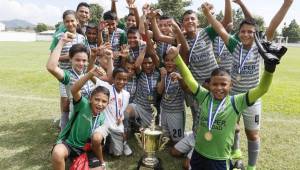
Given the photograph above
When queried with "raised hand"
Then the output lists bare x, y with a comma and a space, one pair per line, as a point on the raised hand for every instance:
207, 8
163, 72
97, 72
102, 25
146, 9
67, 37
173, 51
124, 51
237, 1
175, 76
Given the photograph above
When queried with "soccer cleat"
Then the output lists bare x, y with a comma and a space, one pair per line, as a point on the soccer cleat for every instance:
236, 154
251, 167
238, 165
126, 149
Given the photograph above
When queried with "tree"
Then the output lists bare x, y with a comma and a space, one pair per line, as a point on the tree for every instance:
203, 21
292, 31
173, 8
40, 27
96, 13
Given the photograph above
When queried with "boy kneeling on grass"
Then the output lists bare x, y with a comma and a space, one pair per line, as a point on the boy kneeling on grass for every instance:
87, 123
220, 111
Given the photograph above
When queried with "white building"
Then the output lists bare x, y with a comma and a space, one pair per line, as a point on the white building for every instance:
2, 26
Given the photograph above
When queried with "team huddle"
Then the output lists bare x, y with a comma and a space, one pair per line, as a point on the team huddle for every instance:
111, 73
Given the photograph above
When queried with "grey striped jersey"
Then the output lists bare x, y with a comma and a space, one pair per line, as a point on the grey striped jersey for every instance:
142, 91
202, 60
80, 39
161, 49
173, 97
131, 88
222, 55
135, 52
115, 40
249, 72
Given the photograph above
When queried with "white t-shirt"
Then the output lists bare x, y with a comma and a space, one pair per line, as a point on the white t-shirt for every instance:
112, 111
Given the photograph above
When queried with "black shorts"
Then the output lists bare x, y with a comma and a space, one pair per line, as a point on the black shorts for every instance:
199, 162
74, 152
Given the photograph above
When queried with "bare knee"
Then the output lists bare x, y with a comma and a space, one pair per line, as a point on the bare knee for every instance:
186, 164
97, 139
252, 135
59, 153
174, 152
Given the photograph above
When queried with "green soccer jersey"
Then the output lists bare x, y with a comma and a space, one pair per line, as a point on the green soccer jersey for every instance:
83, 124
219, 147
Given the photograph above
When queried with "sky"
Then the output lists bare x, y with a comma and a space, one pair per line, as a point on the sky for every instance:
50, 12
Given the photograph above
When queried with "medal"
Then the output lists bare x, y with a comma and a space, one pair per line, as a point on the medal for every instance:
242, 61
167, 96
149, 85
238, 77
219, 60
194, 43
208, 136
212, 117
150, 98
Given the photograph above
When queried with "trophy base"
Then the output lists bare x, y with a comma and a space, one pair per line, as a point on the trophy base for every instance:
149, 164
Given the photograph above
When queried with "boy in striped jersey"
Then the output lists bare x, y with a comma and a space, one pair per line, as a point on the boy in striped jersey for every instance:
146, 94
172, 113
245, 70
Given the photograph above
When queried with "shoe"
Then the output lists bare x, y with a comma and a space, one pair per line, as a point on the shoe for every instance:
251, 167
238, 165
126, 149
236, 154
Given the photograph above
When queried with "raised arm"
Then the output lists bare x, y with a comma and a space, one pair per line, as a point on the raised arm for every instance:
52, 64
142, 53
133, 9
277, 19
228, 13
246, 12
161, 83
217, 26
184, 70
114, 7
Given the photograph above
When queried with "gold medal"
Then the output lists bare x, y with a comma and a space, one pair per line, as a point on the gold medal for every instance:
208, 136
238, 77
219, 60
150, 98
167, 96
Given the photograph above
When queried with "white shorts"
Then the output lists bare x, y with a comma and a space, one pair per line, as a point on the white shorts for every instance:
103, 130
62, 90
186, 145
252, 116
116, 143
173, 124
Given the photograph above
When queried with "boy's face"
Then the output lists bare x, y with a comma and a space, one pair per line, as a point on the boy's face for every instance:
147, 65
120, 80
133, 39
130, 68
130, 22
169, 64
164, 26
246, 35
190, 22
98, 102
220, 86
91, 35
70, 23
79, 60
83, 14
111, 25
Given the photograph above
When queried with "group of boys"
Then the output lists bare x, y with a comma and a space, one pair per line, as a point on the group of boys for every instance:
136, 63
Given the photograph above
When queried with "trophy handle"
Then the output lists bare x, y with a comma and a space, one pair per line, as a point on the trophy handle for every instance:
138, 137
164, 141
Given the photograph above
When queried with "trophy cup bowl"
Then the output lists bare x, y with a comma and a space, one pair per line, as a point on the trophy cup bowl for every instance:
151, 141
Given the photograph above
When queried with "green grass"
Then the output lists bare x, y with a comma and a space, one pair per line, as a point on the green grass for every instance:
29, 103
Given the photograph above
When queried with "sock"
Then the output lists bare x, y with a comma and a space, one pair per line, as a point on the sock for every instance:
253, 150
126, 122
64, 119
236, 144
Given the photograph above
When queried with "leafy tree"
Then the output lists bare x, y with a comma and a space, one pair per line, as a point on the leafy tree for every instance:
174, 8
41, 27
292, 31
96, 13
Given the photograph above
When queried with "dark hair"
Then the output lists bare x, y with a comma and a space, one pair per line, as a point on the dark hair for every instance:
164, 17
68, 12
130, 60
133, 30
118, 70
109, 15
82, 4
188, 12
248, 21
100, 89
91, 26
130, 14
219, 72
77, 48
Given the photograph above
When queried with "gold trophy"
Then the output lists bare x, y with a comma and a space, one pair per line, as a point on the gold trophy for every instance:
151, 140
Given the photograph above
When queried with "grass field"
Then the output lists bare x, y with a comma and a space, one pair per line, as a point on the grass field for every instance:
29, 103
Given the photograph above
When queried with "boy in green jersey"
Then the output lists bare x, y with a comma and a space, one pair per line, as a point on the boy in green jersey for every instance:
220, 112
87, 123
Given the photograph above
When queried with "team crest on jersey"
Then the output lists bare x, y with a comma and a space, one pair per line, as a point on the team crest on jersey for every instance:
202, 43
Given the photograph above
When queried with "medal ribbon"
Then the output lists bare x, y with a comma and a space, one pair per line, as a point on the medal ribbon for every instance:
241, 61
167, 83
87, 90
118, 110
112, 38
149, 84
212, 116
194, 43
93, 127
220, 50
